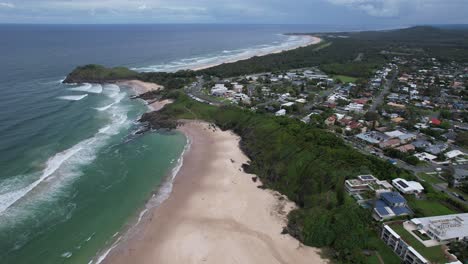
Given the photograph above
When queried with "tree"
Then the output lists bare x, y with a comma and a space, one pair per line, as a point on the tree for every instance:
462, 139
448, 174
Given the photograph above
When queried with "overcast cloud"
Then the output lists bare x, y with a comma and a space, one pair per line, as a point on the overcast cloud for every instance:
358, 12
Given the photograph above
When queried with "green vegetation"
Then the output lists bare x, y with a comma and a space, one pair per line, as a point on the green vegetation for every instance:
434, 254
433, 179
430, 207
93, 73
345, 79
307, 164
98, 73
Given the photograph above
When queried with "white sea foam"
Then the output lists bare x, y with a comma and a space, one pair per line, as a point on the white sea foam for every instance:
67, 255
117, 98
63, 166
72, 97
95, 88
156, 200
290, 42
104, 255
82, 88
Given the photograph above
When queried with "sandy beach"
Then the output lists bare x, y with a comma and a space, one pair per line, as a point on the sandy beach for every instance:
311, 40
215, 213
140, 87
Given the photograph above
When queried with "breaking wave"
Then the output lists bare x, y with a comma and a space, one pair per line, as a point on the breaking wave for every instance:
72, 97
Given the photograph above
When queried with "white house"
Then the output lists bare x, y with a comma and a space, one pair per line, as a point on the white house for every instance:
407, 187
453, 154
281, 112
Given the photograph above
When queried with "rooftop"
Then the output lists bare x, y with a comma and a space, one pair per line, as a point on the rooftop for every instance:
446, 227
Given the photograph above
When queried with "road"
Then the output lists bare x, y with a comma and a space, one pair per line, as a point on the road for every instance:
380, 98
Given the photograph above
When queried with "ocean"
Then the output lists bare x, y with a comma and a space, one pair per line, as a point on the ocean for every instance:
73, 172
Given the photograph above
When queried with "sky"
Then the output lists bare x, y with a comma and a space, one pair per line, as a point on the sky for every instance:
327, 12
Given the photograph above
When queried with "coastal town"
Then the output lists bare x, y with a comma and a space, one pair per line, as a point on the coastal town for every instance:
410, 113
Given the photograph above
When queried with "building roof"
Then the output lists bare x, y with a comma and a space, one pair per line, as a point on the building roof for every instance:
407, 186
373, 137
395, 133
453, 154
447, 226
393, 197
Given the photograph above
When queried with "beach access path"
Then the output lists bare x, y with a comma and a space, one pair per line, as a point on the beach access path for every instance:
215, 214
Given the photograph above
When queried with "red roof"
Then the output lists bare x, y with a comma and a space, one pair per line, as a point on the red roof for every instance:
436, 122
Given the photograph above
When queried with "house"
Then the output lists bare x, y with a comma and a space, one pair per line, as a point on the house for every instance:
407, 137
406, 148
391, 143
237, 87
407, 187
453, 154
280, 112
390, 204
443, 229
421, 144
330, 120
373, 137
435, 122
425, 156
436, 149
365, 183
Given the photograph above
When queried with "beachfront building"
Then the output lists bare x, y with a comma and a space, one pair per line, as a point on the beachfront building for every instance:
443, 229
365, 183
407, 253
407, 187
389, 205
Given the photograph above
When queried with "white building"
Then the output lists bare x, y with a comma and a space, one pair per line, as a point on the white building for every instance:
353, 107
407, 253
453, 154
219, 90
444, 229
281, 112
407, 187
425, 156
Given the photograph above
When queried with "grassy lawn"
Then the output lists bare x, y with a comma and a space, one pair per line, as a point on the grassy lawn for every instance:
433, 254
388, 256
430, 178
345, 79
430, 207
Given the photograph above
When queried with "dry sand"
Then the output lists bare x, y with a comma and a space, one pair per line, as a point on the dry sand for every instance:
215, 213
140, 87
312, 40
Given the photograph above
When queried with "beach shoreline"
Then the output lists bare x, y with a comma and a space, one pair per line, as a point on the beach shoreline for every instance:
311, 40
215, 212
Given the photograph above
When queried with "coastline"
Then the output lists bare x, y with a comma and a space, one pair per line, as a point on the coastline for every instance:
312, 40
214, 214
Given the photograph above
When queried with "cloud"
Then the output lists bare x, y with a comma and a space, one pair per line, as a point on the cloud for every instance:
378, 8
6, 5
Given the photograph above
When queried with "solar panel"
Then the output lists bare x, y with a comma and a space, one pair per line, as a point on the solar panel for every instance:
403, 184
367, 177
